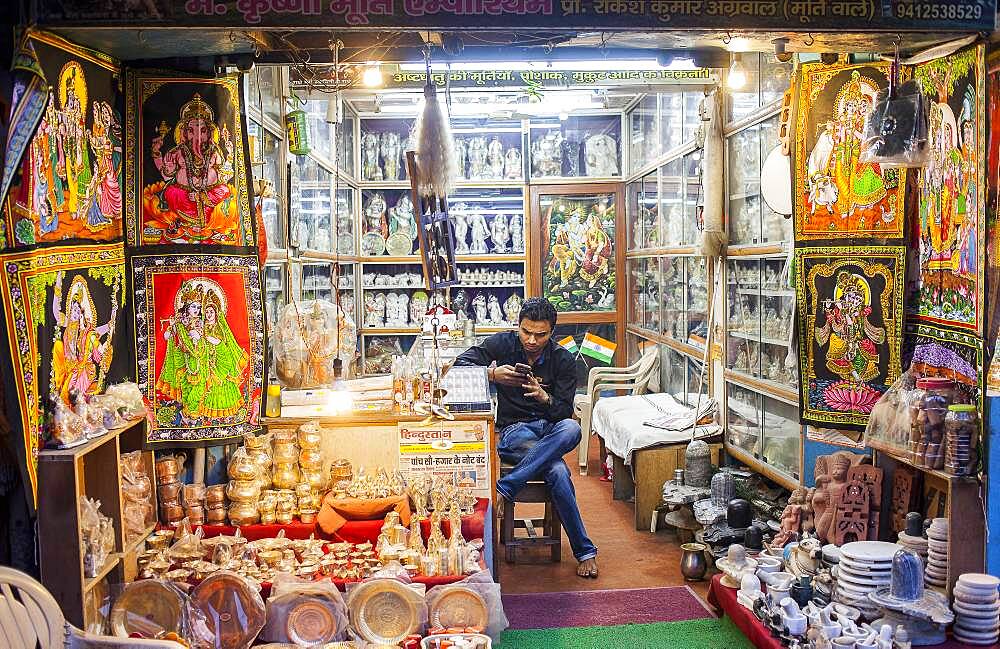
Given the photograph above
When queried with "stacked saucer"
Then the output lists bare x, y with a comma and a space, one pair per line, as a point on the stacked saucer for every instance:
865, 566
915, 544
977, 609
936, 572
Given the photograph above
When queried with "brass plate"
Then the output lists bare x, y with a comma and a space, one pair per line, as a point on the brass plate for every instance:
233, 611
147, 607
458, 606
312, 621
383, 611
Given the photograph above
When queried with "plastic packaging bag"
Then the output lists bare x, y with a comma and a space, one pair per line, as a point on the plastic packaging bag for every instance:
889, 422
483, 584
305, 343
895, 133
98, 536
130, 399
305, 613
233, 609
69, 429
156, 609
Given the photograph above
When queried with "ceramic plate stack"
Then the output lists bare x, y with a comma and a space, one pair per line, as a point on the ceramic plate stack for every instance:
977, 609
916, 544
936, 573
864, 567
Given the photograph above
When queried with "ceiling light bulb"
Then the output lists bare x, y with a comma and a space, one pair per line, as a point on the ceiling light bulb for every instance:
737, 77
563, 117
372, 77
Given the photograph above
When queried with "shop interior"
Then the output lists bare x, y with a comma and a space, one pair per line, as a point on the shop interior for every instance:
235, 418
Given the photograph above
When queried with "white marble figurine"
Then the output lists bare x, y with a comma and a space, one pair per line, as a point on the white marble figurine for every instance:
370, 168
495, 157
516, 233
512, 164
500, 233
479, 308
391, 150
461, 233
601, 156
480, 232
478, 162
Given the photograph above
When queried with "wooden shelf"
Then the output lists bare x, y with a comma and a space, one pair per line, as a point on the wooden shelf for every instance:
900, 456
113, 560
71, 454
756, 249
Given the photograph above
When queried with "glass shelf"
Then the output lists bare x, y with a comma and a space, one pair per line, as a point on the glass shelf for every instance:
767, 81
383, 143
576, 147
751, 221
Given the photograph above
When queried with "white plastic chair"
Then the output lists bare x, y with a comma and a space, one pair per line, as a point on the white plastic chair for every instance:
30, 618
634, 379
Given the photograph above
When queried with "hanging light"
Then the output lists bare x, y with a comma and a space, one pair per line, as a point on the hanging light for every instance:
372, 76
737, 77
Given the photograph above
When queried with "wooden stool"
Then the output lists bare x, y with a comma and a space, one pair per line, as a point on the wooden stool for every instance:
537, 492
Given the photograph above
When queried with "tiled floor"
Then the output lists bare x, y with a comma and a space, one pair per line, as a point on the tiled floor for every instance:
627, 558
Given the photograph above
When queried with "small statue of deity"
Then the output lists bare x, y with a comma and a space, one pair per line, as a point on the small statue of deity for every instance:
480, 232
512, 164
461, 156
500, 233
478, 158
512, 308
404, 309
418, 307
461, 232
601, 156
493, 306
495, 157
479, 308
391, 154
375, 213
370, 168
516, 228
546, 155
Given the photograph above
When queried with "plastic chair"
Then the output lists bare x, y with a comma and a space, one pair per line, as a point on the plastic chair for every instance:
634, 379
30, 617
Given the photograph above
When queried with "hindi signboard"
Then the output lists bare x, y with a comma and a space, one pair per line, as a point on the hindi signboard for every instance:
456, 450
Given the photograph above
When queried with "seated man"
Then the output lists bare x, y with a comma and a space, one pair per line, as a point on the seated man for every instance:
536, 381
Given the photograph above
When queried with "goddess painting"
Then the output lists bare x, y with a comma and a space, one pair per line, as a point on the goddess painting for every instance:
195, 200
850, 337
82, 350
836, 194
204, 367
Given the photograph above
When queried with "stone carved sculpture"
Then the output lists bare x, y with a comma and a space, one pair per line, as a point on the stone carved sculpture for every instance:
516, 228
851, 514
495, 157
512, 308
512, 164
871, 476
831, 479
792, 518
546, 155
480, 232
601, 156
461, 156
904, 488
479, 308
493, 305
461, 223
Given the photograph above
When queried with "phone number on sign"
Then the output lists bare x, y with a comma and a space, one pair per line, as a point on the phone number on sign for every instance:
928, 11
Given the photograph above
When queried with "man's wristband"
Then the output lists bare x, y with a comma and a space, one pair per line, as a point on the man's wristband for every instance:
490, 373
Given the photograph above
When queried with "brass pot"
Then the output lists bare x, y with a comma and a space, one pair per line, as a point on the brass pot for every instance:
285, 453
160, 539
269, 557
243, 513
168, 492
283, 518
303, 489
215, 495
171, 512
315, 479
308, 516
311, 458
693, 561
285, 476
167, 468
268, 517
255, 442
243, 491
243, 468
310, 436
215, 516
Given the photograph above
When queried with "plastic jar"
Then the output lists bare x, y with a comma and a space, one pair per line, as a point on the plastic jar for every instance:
927, 414
961, 429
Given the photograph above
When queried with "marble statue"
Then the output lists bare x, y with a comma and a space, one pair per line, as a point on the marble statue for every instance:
370, 168
418, 307
496, 316
500, 233
512, 164
479, 308
375, 213
404, 309
461, 223
478, 162
401, 217
480, 232
391, 309
516, 227
347, 303
391, 150
512, 308
546, 155
461, 153
601, 156
460, 303
495, 157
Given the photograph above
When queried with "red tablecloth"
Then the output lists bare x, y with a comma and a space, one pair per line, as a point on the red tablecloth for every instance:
724, 599
353, 531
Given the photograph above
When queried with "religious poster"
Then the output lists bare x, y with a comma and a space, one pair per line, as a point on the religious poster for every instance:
836, 195
578, 251
951, 192
199, 345
850, 303
936, 351
70, 185
992, 302
187, 169
65, 332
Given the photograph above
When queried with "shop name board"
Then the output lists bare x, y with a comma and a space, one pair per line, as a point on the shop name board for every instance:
788, 15
546, 78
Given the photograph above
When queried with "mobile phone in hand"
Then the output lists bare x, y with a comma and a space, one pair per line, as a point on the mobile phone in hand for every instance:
522, 368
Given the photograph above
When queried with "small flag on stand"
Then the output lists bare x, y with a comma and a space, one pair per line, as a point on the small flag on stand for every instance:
570, 345
598, 348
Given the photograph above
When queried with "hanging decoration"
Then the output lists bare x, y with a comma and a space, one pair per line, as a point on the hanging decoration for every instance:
199, 345
850, 302
70, 186
62, 309
713, 234
951, 208
837, 196
297, 131
436, 163
187, 160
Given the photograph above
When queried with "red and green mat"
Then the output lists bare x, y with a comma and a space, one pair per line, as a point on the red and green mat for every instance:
646, 618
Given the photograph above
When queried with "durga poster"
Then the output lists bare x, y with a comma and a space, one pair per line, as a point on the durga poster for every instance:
70, 184
62, 309
199, 345
836, 195
850, 303
951, 192
188, 172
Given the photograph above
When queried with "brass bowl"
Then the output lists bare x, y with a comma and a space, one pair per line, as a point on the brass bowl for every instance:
167, 469
243, 490
147, 608
215, 495
215, 516
308, 516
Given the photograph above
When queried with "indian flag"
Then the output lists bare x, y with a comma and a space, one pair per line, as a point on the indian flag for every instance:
570, 344
599, 348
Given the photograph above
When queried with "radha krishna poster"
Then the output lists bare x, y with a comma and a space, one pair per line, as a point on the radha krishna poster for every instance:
836, 195
951, 227
199, 345
70, 185
63, 310
850, 303
188, 164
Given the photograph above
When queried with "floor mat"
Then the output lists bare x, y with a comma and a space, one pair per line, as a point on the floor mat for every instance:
710, 633
602, 608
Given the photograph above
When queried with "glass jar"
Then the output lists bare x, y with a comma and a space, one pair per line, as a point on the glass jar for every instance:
272, 407
961, 429
928, 410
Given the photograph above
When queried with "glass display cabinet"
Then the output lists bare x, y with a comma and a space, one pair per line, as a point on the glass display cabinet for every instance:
266, 162
388, 225
643, 140
672, 203
673, 288
263, 95
491, 151
696, 301
575, 147
643, 213
782, 443
671, 111
767, 81
488, 221
644, 276
275, 291
743, 425
383, 144
680, 376
751, 220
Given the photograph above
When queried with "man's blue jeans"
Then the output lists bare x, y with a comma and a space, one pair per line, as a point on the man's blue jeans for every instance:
536, 448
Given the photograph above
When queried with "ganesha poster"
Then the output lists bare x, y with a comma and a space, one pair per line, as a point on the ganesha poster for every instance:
836, 195
199, 345
70, 185
850, 302
187, 169
950, 228
63, 310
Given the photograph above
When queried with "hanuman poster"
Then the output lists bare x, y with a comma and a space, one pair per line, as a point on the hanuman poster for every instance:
70, 185
62, 307
187, 168
850, 304
951, 192
199, 345
836, 195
